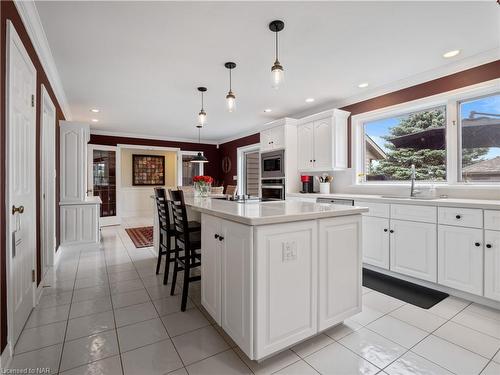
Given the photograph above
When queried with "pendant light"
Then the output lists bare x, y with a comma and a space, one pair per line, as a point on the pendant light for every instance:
230, 97
202, 115
199, 158
277, 73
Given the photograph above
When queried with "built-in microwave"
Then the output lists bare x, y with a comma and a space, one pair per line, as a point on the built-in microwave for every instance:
273, 164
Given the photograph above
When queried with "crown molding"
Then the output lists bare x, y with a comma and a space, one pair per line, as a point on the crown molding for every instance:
151, 137
31, 20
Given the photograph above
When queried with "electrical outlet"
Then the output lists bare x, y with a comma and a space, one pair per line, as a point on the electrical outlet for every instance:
289, 251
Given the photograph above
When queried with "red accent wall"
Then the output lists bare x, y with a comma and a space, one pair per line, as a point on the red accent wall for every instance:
8, 11
229, 149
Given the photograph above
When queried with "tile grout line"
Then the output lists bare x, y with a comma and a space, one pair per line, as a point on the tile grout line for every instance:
490, 361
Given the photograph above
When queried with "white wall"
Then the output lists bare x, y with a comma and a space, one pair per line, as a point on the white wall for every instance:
135, 201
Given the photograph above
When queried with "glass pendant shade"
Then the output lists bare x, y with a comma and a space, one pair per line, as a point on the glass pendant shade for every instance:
202, 118
231, 101
199, 158
277, 75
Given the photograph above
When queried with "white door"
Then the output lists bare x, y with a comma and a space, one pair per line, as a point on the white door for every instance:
339, 263
21, 193
210, 266
414, 249
460, 258
103, 174
323, 144
237, 280
492, 264
48, 171
305, 139
376, 241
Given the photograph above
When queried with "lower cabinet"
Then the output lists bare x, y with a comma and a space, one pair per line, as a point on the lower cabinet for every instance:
460, 258
340, 275
414, 249
376, 241
80, 224
492, 264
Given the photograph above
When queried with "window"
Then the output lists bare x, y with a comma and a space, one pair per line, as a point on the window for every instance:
393, 144
187, 170
479, 136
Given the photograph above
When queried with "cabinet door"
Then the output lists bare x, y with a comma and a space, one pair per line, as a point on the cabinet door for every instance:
376, 241
286, 280
210, 266
278, 137
414, 249
460, 260
492, 264
265, 140
323, 144
305, 142
339, 270
237, 281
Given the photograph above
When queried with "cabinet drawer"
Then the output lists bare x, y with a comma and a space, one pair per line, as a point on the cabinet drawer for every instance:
491, 219
463, 217
426, 214
375, 209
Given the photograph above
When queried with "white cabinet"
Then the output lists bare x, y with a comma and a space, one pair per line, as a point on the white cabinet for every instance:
376, 241
322, 141
272, 139
73, 146
414, 249
80, 223
285, 285
492, 264
492, 219
339, 264
460, 258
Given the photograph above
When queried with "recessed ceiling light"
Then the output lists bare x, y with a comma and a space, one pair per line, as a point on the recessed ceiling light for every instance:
363, 85
449, 54
267, 110
309, 100
95, 120
95, 110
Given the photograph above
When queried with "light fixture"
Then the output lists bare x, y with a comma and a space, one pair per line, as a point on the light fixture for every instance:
95, 120
267, 110
202, 115
230, 97
95, 110
309, 100
199, 158
452, 53
277, 74
363, 85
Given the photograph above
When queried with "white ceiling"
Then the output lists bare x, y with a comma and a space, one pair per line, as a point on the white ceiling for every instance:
140, 62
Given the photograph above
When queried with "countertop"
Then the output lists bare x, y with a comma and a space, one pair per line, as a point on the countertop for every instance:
262, 213
442, 202
88, 200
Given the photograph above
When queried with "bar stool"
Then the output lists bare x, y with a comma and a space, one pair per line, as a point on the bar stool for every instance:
185, 240
166, 231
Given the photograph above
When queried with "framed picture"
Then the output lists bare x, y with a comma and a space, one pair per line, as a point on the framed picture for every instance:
148, 170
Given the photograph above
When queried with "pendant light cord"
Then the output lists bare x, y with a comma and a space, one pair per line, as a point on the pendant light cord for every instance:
276, 45
202, 100
230, 81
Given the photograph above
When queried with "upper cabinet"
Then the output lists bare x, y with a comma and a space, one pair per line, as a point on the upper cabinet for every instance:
322, 141
74, 138
272, 139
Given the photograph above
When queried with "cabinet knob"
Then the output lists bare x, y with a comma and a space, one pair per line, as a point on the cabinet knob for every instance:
310, 161
477, 244
458, 217
488, 245
391, 231
216, 236
221, 238
385, 230
314, 160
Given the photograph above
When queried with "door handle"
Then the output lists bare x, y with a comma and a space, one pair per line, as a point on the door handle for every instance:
19, 209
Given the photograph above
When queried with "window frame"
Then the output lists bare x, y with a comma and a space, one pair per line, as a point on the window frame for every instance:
451, 101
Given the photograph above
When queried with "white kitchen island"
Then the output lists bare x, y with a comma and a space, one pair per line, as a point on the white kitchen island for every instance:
276, 273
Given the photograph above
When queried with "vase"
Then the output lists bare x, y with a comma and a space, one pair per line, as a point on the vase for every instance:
202, 189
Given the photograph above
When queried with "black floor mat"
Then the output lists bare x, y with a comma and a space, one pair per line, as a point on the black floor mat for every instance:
405, 291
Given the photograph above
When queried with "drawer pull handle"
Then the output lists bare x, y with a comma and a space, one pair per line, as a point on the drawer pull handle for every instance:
385, 230
221, 238
489, 246
391, 231
477, 244
458, 217
216, 236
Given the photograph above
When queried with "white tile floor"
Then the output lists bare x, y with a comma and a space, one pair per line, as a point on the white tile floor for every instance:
106, 312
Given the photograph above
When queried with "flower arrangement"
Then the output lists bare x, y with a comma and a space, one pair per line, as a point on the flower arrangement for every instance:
202, 185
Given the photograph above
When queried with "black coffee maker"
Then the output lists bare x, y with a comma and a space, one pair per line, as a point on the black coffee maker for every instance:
307, 184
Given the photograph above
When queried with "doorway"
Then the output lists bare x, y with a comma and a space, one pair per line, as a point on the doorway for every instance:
249, 170
21, 183
48, 181
186, 169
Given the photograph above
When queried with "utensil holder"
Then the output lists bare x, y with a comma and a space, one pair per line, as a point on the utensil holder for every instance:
324, 187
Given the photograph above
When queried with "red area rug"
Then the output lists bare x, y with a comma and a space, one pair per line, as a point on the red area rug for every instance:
141, 237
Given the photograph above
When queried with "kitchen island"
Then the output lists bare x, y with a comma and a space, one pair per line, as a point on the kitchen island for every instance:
277, 273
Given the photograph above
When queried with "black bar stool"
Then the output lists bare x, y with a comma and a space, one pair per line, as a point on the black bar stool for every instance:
186, 240
166, 231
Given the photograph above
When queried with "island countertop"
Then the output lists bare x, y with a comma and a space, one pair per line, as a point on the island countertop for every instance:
274, 212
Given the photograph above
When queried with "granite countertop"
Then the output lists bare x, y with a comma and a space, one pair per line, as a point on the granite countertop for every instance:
441, 202
261, 213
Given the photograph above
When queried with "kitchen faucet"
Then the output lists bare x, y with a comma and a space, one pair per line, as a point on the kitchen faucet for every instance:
413, 192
